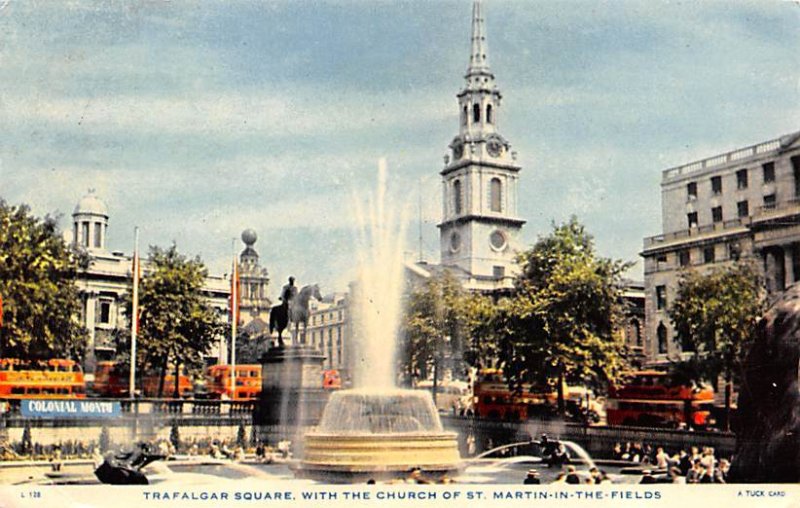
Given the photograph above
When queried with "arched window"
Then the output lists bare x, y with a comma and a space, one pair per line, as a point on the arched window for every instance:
457, 203
496, 195
476, 113
489, 113
464, 116
661, 333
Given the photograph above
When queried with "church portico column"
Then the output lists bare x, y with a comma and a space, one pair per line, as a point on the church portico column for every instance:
788, 264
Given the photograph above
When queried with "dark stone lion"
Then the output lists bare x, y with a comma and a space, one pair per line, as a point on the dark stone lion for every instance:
768, 437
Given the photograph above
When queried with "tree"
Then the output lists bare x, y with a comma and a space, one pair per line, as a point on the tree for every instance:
37, 285
562, 323
715, 315
434, 326
176, 325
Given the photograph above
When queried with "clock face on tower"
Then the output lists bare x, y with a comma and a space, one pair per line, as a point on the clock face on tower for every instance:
494, 145
458, 150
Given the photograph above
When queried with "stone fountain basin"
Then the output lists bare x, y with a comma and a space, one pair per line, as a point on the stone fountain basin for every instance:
355, 453
378, 434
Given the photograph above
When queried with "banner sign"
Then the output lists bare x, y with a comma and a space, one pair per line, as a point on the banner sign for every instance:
47, 408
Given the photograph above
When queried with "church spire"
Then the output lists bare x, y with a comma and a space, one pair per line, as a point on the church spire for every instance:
478, 61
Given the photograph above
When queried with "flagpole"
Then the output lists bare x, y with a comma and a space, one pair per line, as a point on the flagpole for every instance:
134, 311
234, 317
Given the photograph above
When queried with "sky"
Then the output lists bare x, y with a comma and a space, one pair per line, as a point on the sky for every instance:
197, 119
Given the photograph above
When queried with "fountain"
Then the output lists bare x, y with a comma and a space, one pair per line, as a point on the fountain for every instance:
379, 434
383, 431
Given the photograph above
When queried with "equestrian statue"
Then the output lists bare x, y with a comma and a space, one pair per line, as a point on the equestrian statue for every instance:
294, 308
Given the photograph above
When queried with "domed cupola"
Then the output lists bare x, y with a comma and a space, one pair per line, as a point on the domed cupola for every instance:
249, 256
90, 223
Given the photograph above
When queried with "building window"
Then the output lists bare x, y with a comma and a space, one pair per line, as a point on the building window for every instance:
741, 179
734, 251
661, 297
85, 232
499, 272
708, 254
769, 202
716, 214
796, 171
691, 190
105, 312
716, 184
457, 200
684, 258
742, 209
661, 332
464, 116
476, 113
691, 217
98, 235
496, 195
489, 113
769, 171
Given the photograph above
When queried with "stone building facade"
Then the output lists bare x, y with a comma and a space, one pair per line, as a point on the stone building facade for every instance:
105, 282
742, 204
330, 331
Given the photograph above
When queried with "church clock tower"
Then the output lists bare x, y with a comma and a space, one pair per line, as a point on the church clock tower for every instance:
480, 227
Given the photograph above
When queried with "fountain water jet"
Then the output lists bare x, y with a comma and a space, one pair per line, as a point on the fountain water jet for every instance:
381, 431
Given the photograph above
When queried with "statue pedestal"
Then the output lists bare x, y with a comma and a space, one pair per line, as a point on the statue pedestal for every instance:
291, 386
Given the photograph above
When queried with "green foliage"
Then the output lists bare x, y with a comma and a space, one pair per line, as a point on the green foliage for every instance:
562, 322
37, 284
250, 348
434, 324
715, 314
481, 313
177, 326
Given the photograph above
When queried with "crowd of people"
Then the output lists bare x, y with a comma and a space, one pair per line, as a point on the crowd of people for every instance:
695, 465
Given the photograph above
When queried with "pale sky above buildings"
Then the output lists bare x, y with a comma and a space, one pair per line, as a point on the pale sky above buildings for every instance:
196, 119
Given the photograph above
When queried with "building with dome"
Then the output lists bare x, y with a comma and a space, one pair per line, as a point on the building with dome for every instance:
255, 303
107, 279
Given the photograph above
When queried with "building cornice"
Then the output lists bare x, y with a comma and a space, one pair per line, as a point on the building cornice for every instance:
463, 163
492, 219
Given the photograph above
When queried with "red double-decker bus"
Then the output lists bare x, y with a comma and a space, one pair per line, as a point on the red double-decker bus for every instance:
41, 379
111, 380
248, 382
652, 399
493, 399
